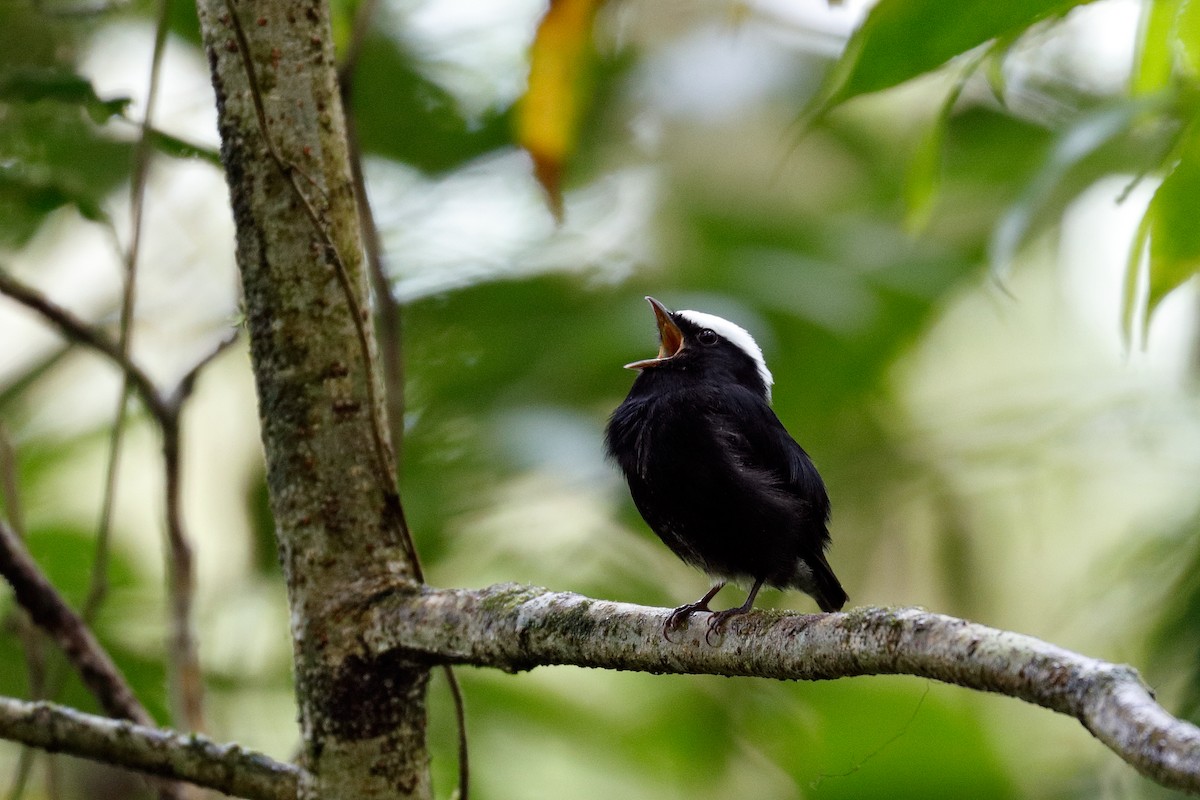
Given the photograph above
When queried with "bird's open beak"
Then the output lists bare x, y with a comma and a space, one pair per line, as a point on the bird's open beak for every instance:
670, 338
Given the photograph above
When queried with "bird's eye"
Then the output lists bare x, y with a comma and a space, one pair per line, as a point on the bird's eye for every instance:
706, 337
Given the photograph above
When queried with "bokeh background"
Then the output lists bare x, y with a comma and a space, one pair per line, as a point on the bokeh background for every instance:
942, 313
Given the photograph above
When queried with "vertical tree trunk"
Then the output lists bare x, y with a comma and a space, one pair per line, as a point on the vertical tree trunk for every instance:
329, 462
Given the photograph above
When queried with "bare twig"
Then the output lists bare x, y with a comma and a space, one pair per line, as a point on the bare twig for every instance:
50, 612
387, 309
187, 384
143, 149
10, 494
98, 585
227, 768
460, 718
516, 627
35, 667
85, 334
27, 633
33, 373
363, 16
186, 678
166, 411
47, 609
189, 682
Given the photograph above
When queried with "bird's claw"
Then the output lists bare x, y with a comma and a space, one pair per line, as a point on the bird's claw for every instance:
679, 617
718, 620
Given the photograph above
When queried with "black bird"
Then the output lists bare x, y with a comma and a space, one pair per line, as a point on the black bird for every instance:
713, 471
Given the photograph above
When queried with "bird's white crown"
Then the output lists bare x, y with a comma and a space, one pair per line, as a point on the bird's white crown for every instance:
738, 336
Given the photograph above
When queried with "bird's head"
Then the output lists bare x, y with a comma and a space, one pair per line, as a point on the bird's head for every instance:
708, 347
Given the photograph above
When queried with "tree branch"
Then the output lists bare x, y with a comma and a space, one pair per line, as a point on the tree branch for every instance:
225, 767
82, 333
387, 308
166, 410
98, 589
516, 627
50, 612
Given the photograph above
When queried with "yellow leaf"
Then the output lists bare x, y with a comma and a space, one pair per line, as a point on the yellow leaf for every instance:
549, 114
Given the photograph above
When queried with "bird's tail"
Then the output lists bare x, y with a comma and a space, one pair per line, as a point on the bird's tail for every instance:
826, 589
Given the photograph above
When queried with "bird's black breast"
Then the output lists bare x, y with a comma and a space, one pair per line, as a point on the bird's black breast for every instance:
718, 478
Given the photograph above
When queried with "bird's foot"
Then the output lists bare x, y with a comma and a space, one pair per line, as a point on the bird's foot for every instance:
718, 620
679, 617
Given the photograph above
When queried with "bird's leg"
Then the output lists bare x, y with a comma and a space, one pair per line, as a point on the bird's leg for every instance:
679, 616
719, 618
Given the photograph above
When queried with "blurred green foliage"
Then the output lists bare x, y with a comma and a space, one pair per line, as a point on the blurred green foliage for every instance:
430, 133
902, 39
841, 247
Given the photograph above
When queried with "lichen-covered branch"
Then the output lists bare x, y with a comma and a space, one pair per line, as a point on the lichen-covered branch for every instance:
225, 767
515, 627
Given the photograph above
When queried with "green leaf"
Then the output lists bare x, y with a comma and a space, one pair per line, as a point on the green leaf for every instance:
1133, 274
52, 155
1153, 60
54, 84
924, 174
31, 36
26, 197
175, 147
1188, 32
1174, 234
1076, 143
994, 68
902, 39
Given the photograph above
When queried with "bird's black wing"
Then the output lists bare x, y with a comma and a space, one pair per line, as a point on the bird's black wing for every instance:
760, 446
767, 456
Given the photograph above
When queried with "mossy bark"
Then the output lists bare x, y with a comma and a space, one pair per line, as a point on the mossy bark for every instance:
329, 464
